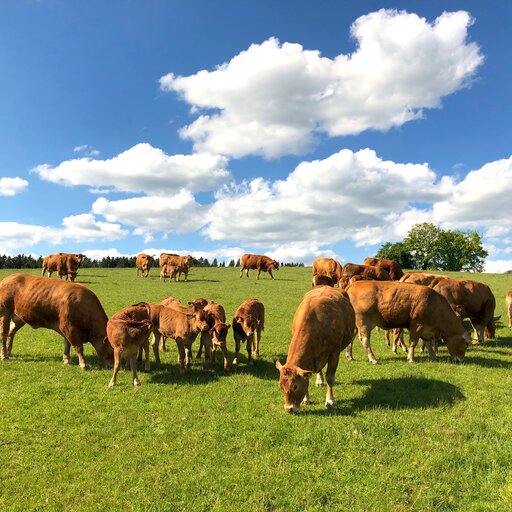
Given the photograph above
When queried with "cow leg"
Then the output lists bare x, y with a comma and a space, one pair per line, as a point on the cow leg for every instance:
388, 335
241, 271
364, 338
413, 341
200, 351
145, 347
249, 343
237, 350
305, 400
509, 314
398, 340
188, 354
259, 272
154, 344
478, 331
117, 366
207, 354
224, 350
246, 272
256, 343
133, 366
431, 351
6, 322
270, 272
16, 324
348, 352
181, 355
319, 379
66, 358
332, 365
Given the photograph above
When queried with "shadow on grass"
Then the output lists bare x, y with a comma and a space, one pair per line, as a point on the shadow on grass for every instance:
396, 393
30, 358
169, 373
486, 362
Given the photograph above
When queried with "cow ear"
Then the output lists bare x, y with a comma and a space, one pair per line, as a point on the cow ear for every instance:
303, 373
279, 365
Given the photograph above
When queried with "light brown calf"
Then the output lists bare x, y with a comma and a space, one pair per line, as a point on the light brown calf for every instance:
248, 323
215, 336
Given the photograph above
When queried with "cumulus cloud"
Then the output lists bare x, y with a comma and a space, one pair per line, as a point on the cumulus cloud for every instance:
498, 266
348, 195
141, 169
99, 254
179, 213
275, 99
12, 186
301, 252
78, 228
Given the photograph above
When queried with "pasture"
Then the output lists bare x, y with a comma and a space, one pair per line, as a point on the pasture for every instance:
428, 436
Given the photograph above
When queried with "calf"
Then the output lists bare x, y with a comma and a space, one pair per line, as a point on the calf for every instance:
508, 304
248, 323
321, 280
183, 328
323, 325
215, 336
327, 267
168, 271
70, 309
126, 337
418, 308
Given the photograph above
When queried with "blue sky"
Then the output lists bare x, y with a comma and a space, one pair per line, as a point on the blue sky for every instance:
294, 129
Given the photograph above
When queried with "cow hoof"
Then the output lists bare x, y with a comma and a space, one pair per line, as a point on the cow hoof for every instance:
85, 367
375, 361
111, 384
329, 404
136, 382
66, 362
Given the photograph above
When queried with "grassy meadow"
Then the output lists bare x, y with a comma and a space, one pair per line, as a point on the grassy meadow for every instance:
428, 436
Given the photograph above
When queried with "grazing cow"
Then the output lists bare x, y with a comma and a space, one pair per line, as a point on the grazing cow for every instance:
508, 303
323, 325
176, 260
248, 322
143, 262
128, 331
391, 266
328, 267
421, 278
63, 263
259, 263
321, 280
418, 308
181, 326
473, 300
215, 336
366, 272
70, 309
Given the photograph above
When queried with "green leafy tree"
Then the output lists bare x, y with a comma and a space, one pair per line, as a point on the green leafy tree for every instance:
397, 252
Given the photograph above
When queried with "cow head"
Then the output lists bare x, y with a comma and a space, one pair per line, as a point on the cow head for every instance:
187, 259
457, 346
274, 265
104, 350
294, 382
201, 317
219, 333
248, 323
198, 303
490, 328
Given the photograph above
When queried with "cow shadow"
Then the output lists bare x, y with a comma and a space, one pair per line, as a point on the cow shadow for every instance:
397, 393
169, 373
30, 358
260, 369
487, 362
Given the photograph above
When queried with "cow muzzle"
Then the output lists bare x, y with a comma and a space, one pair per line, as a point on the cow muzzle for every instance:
292, 409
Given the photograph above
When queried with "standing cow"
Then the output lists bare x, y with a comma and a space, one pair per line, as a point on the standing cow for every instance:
389, 305
391, 266
327, 267
70, 309
64, 264
182, 263
323, 325
473, 300
508, 304
259, 263
143, 262
248, 323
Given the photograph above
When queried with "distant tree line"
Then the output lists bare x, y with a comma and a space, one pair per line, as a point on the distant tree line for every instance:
428, 247
27, 261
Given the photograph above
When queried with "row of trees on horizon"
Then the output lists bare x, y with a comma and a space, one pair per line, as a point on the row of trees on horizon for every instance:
426, 247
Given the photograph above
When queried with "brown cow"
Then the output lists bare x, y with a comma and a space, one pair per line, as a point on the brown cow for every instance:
391, 266
323, 325
366, 272
259, 263
168, 271
327, 267
143, 262
64, 264
183, 328
473, 300
508, 304
248, 322
216, 336
70, 309
418, 308
421, 278
128, 331
177, 261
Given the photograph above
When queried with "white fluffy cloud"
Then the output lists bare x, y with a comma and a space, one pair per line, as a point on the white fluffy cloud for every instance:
179, 213
12, 186
141, 169
78, 228
273, 99
498, 266
348, 195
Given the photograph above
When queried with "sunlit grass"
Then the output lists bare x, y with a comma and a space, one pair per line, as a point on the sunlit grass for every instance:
428, 436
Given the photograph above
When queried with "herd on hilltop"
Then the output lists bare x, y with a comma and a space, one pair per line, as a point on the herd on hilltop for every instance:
345, 301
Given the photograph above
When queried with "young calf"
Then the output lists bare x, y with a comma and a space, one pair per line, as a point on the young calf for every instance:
181, 326
215, 336
127, 331
323, 325
248, 322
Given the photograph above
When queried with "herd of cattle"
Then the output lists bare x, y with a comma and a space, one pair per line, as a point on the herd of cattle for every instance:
376, 294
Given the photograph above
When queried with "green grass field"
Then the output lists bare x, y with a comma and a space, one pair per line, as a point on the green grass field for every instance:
428, 436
